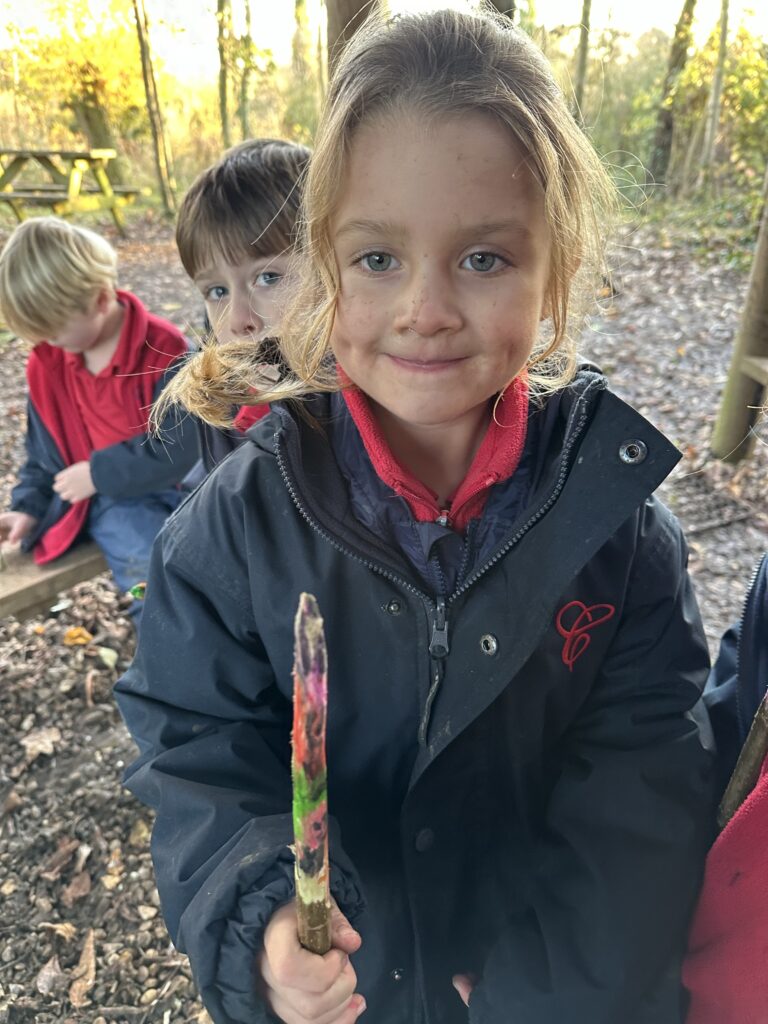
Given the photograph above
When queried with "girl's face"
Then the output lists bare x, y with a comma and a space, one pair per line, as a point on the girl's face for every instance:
443, 253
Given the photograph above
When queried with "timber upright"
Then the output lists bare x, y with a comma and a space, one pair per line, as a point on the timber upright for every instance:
519, 781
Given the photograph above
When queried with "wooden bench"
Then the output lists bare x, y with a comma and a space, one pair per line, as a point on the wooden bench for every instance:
28, 589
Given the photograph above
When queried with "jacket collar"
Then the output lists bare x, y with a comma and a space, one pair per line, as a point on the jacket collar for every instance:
496, 459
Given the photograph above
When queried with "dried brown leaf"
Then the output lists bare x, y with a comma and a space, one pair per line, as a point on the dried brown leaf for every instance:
84, 975
63, 929
51, 978
55, 864
79, 886
40, 741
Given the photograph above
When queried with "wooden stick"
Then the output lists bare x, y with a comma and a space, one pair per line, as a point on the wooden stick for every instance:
308, 770
748, 766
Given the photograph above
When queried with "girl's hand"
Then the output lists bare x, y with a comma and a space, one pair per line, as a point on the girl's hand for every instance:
14, 526
301, 987
75, 483
464, 983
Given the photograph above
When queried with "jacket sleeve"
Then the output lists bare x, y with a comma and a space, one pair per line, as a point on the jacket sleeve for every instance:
34, 492
213, 733
148, 462
627, 825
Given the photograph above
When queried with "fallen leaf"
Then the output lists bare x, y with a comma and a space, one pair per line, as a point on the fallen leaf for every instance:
11, 803
62, 929
77, 636
113, 875
140, 833
79, 886
53, 867
84, 974
50, 978
39, 629
40, 741
108, 656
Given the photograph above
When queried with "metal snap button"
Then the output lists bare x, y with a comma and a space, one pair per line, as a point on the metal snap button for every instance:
424, 840
397, 974
394, 607
633, 452
489, 644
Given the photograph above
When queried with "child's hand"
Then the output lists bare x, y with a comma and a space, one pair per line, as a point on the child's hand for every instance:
464, 983
14, 526
301, 987
75, 483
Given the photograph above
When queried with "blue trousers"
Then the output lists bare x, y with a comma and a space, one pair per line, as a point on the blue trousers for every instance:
125, 530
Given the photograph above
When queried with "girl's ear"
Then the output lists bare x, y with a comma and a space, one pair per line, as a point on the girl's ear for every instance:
103, 300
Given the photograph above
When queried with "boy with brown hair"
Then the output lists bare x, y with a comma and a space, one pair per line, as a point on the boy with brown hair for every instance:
235, 232
99, 361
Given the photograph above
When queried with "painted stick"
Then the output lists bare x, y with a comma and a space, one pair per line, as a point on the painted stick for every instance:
747, 770
308, 770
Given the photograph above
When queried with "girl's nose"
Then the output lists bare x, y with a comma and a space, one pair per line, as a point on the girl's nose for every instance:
429, 308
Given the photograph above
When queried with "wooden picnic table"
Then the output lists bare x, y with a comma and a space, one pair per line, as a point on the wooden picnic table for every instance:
74, 181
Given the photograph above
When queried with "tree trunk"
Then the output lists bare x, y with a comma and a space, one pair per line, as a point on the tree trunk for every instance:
242, 109
715, 96
87, 104
733, 437
506, 7
581, 68
678, 55
223, 37
162, 160
344, 18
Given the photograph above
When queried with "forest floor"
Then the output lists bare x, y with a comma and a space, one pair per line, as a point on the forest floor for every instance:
81, 938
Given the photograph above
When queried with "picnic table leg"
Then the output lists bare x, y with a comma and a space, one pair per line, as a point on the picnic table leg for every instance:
11, 171
100, 174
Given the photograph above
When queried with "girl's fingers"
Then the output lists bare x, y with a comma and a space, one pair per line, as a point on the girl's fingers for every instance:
343, 935
318, 1005
347, 1013
464, 984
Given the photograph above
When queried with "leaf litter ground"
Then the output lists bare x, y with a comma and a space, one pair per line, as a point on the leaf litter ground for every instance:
81, 936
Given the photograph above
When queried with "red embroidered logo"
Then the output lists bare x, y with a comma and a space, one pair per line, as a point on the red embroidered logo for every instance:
574, 622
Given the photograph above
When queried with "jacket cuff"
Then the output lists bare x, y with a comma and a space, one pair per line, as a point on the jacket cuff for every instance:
232, 996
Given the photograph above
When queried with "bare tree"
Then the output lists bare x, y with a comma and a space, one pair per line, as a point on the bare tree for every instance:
506, 7
154, 112
224, 39
733, 437
581, 67
715, 96
678, 55
344, 18
247, 46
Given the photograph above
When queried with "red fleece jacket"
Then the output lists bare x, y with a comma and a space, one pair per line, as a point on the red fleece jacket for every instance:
83, 411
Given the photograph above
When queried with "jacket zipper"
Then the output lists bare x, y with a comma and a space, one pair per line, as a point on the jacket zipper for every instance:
439, 638
744, 608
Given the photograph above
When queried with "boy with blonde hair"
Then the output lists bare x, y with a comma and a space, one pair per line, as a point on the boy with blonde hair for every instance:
99, 361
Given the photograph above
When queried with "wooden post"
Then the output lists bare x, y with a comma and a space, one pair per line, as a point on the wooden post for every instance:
745, 389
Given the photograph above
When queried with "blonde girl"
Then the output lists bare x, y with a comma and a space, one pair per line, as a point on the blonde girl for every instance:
517, 779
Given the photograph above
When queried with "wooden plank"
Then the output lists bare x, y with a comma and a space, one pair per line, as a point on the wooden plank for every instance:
27, 588
756, 367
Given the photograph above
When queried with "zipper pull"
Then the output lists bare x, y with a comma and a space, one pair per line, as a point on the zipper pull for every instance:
438, 644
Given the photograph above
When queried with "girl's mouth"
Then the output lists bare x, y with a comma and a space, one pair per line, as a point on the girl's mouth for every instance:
427, 365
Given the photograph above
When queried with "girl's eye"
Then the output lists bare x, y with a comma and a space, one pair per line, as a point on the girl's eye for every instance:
268, 278
216, 293
482, 261
377, 261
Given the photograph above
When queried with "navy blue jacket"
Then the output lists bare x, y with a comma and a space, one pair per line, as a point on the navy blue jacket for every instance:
517, 775
739, 677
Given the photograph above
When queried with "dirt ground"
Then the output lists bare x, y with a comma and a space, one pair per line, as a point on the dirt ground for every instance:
81, 938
